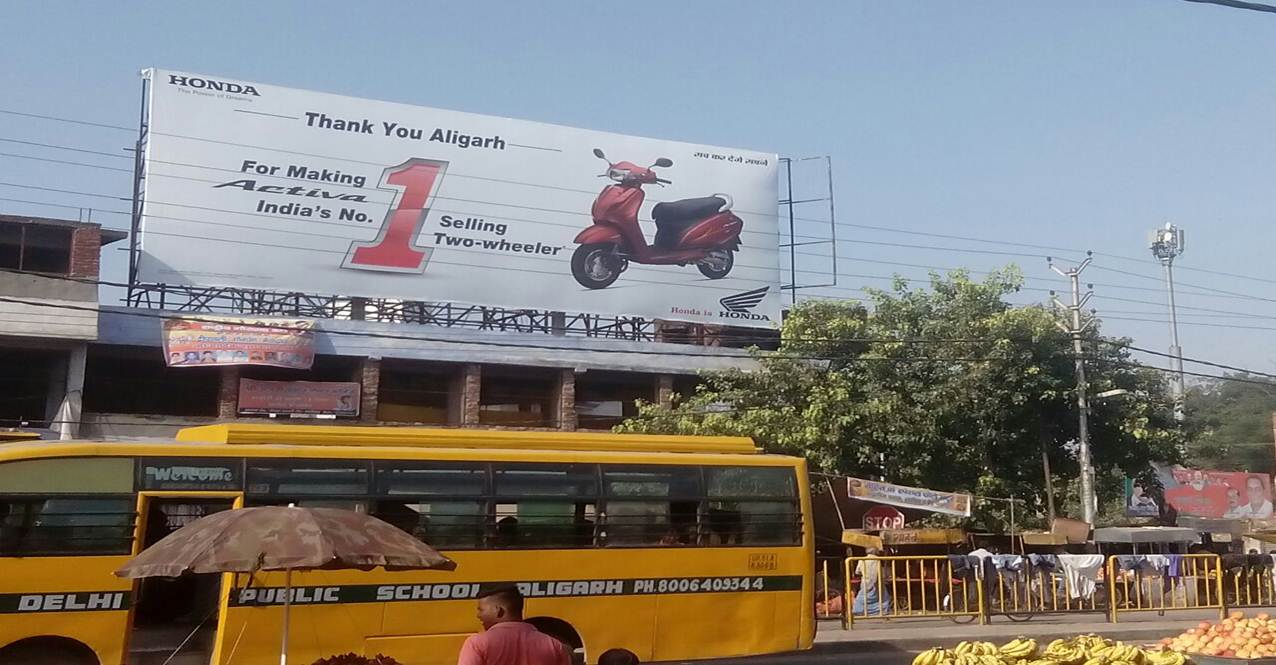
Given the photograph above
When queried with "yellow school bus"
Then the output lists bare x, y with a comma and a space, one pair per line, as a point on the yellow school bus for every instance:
671, 547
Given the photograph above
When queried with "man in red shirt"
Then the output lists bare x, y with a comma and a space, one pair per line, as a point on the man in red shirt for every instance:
506, 639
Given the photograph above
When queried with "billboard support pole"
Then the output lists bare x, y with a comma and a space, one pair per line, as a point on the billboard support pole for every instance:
788, 174
791, 202
139, 165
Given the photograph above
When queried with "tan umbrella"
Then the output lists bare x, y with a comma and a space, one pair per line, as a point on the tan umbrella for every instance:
283, 538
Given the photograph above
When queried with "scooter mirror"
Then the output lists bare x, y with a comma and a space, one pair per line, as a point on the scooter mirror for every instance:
599, 154
664, 162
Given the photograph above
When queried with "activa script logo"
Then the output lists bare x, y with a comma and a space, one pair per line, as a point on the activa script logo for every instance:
740, 305
211, 85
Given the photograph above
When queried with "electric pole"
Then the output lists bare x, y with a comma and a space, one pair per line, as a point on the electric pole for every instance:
1167, 244
1075, 329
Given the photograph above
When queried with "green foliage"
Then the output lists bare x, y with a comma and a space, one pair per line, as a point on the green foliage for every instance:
970, 409
1235, 418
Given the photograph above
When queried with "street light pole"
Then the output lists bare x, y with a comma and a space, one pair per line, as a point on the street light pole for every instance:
1089, 502
1167, 244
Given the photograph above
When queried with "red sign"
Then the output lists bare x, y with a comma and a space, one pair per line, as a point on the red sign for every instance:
881, 518
1217, 494
299, 397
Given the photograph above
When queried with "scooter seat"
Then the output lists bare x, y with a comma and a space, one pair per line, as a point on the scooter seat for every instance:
686, 209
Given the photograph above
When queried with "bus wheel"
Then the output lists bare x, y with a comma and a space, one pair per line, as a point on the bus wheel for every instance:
618, 656
559, 630
47, 651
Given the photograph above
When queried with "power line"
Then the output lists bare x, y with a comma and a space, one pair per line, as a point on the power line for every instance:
883, 229
882, 340
73, 121
488, 343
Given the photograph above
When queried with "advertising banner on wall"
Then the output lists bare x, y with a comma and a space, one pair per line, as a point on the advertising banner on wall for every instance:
1201, 493
211, 340
909, 497
260, 186
335, 398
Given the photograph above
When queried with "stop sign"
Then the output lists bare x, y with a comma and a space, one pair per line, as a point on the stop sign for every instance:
879, 518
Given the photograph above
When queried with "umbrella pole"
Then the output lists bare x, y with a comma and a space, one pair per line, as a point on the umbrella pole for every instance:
283, 649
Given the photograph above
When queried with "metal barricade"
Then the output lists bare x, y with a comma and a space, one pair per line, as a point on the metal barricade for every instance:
891, 587
1250, 581
1195, 582
830, 595
1028, 591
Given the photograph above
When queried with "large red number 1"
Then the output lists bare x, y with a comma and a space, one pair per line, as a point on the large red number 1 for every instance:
394, 249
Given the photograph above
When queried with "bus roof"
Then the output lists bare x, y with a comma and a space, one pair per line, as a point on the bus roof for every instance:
427, 437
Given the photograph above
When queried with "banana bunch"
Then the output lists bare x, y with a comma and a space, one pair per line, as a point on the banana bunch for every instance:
1165, 657
1119, 652
976, 648
1079, 650
1020, 648
1092, 643
936, 656
1065, 652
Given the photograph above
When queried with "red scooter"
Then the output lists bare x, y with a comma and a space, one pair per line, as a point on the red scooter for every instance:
702, 231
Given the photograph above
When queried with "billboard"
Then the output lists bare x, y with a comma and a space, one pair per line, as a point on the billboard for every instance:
260, 186
212, 340
1202, 493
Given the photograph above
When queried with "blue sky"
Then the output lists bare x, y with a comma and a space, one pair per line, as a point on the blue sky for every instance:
1077, 125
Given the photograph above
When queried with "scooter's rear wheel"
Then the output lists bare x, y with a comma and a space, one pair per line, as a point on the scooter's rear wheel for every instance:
595, 266
717, 263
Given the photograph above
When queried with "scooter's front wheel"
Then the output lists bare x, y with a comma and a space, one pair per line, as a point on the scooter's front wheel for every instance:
595, 266
717, 263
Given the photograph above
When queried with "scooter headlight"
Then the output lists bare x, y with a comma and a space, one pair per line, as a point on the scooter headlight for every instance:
619, 175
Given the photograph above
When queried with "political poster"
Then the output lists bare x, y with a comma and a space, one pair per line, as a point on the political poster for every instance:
1211, 494
260, 186
210, 341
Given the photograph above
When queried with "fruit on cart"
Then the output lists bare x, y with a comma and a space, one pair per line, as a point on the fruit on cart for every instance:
1020, 648
1236, 637
1078, 650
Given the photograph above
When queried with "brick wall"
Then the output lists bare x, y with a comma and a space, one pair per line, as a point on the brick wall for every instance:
463, 396
565, 401
228, 393
370, 381
86, 252
664, 390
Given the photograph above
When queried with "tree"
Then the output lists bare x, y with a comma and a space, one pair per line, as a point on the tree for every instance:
1235, 416
947, 387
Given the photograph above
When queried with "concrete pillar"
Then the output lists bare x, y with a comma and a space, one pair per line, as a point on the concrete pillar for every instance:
69, 413
564, 413
370, 381
664, 390
463, 396
228, 393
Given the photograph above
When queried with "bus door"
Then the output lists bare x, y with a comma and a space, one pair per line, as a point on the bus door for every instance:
176, 615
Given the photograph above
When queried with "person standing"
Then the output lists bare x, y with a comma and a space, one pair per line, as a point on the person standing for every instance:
873, 597
506, 639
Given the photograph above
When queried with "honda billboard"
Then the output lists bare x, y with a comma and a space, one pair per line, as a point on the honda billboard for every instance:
264, 187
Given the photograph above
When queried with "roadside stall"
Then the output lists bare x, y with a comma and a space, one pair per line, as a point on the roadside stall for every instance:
1156, 568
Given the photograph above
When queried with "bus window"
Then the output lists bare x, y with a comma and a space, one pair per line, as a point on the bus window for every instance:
544, 523
302, 477
752, 505
65, 525
545, 505
433, 479
440, 503
445, 524
652, 505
